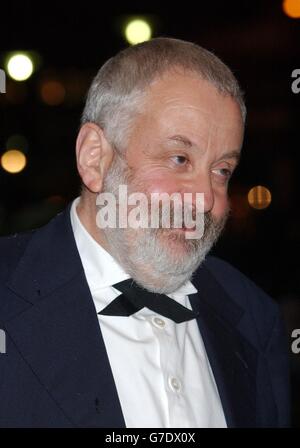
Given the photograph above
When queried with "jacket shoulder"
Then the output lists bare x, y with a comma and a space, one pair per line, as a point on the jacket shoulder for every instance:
12, 248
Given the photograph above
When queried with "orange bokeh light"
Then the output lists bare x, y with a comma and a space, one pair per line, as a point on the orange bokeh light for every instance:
259, 197
13, 161
291, 8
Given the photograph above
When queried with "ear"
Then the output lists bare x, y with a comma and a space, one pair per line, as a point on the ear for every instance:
94, 155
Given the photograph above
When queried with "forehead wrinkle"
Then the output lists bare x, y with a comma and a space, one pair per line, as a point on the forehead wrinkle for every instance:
177, 103
213, 131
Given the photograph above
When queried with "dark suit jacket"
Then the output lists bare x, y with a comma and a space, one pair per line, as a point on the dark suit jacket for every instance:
56, 372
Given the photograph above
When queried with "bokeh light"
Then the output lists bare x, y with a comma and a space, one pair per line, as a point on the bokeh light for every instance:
52, 92
137, 31
20, 66
291, 8
13, 161
259, 197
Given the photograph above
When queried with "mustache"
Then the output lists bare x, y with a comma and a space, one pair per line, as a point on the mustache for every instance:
177, 217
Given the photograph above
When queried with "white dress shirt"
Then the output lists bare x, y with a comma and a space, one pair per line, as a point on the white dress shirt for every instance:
160, 368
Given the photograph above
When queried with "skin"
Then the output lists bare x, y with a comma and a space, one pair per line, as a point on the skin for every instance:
187, 140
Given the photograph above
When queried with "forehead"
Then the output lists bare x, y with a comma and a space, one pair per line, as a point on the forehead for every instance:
190, 104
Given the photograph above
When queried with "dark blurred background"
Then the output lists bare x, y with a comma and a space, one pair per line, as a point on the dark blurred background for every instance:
68, 42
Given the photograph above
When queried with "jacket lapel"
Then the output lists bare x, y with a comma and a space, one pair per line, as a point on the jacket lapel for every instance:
58, 333
233, 360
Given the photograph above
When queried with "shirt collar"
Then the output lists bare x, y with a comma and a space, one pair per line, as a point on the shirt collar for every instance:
101, 269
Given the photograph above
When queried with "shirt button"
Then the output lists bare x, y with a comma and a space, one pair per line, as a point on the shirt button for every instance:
158, 322
174, 384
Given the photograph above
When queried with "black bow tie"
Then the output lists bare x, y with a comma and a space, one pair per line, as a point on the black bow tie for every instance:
135, 298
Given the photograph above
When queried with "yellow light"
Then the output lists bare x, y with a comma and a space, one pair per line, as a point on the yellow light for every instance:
291, 8
138, 30
13, 161
20, 67
259, 197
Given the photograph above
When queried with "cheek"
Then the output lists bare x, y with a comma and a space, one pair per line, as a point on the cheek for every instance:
221, 205
158, 183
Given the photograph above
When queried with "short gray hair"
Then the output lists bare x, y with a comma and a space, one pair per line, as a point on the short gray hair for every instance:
116, 93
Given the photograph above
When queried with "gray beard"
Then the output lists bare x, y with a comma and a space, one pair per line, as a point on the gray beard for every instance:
159, 260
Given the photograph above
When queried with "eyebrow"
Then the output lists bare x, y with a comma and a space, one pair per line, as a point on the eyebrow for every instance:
180, 138
235, 154
231, 155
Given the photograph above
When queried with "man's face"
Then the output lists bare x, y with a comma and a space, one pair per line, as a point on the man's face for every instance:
187, 140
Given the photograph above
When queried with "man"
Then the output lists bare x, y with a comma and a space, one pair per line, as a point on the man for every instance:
183, 342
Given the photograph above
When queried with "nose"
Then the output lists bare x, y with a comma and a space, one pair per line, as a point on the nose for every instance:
202, 184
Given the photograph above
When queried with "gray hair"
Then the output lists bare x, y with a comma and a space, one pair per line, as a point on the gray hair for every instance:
116, 94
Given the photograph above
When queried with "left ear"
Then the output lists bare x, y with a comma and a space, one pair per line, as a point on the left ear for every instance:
94, 155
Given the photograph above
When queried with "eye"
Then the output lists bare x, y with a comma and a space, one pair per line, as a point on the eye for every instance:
180, 160
224, 173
